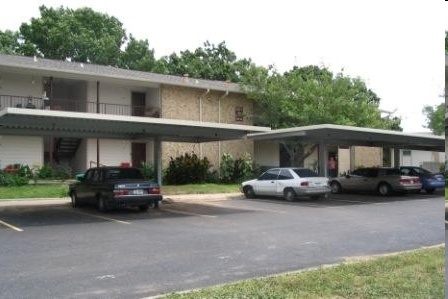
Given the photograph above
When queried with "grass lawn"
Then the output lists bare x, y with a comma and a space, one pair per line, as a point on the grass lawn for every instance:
60, 189
417, 274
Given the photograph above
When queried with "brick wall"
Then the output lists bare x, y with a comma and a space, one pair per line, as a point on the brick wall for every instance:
195, 104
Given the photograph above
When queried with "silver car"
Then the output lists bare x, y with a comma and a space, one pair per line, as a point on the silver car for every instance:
288, 183
376, 179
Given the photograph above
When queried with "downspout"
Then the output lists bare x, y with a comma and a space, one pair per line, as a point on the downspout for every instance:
200, 116
97, 111
219, 121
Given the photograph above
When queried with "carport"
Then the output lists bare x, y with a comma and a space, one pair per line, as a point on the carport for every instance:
327, 134
33, 122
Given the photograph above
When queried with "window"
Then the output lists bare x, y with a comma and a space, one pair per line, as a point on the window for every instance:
269, 175
305, 173
285, 175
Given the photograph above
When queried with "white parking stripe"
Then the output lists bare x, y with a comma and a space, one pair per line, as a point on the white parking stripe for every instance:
187, 213
101, 217
11, 226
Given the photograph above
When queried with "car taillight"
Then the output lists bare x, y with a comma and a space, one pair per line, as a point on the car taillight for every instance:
154, 190
120, 192
410, 181
304, 184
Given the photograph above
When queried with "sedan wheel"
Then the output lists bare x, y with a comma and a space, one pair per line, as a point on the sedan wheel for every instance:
384, 189
289, 194
430, 190
335, 187
249, 192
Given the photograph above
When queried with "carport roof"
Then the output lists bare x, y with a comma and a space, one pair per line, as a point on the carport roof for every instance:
349, 136
31, 122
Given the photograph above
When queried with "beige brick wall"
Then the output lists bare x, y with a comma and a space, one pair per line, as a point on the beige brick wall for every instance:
195, 104
367, 156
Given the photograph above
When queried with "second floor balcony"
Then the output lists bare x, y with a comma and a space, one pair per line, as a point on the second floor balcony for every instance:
76, 106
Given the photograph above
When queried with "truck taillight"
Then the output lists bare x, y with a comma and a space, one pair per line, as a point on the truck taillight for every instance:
154, 190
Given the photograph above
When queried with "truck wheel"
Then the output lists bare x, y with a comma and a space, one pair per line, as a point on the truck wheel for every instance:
74, 199
102, 206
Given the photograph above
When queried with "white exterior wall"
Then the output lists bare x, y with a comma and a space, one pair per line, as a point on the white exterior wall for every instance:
78, 163
112, 152
20, 85
418, 157
29, 150
266, 153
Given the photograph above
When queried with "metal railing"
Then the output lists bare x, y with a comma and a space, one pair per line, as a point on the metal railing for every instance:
73, 105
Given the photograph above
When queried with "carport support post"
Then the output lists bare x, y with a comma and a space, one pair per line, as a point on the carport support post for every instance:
158, 160
322, 158
396, 157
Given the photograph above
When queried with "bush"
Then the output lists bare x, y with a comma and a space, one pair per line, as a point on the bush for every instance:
12, 180
45, 172
148, 170
236, 171
227, 168
186, 169
57, 172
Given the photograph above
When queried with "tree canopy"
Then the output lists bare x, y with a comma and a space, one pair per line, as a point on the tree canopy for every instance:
208, 62
313, 95
435, 116
81, 35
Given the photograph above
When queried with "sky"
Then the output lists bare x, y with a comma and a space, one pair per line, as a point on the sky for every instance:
395, 47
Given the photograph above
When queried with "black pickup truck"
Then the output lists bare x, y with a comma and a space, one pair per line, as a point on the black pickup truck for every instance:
115, 186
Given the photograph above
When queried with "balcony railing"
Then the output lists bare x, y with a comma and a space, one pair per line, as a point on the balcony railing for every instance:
78, 106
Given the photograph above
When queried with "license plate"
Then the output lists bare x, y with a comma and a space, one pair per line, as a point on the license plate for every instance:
138, 192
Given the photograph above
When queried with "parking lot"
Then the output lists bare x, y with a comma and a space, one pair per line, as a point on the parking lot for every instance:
56, 251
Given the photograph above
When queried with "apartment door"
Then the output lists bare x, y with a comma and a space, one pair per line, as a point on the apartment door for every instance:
138, 103
138, 154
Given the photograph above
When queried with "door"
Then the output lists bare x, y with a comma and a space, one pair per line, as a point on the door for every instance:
138, 152
138, 103
267, 183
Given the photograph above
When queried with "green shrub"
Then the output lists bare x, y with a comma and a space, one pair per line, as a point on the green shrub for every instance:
148, 170
227, 168
186, 169
45, 172
236, 171
12, 180
57, 172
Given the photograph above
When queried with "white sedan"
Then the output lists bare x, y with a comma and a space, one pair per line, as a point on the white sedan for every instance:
288, 183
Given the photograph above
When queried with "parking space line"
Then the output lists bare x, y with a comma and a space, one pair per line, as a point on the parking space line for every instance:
11, 226
102, 217
187, 213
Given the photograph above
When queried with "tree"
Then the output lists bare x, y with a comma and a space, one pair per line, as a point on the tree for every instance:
446, 42
80, 35
137, 56
435, 116
312, 95
209, 62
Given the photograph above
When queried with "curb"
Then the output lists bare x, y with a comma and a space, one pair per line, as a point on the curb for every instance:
166, 199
